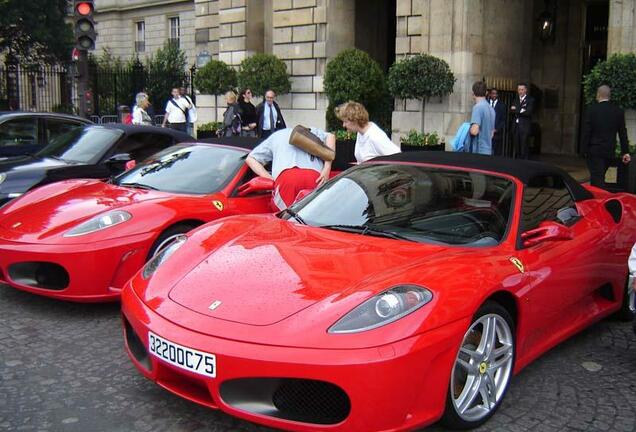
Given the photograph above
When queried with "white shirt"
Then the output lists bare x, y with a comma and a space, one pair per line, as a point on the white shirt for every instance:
283, 155
137, 116
374, 142
176, 115
632, 261
268, 108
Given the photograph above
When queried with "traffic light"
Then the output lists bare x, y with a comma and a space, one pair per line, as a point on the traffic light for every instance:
88, 100
84, 24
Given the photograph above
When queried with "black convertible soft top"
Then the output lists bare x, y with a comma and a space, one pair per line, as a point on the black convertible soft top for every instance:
524, 170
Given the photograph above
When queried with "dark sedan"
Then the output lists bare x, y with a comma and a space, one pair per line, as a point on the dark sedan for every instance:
89, 152
28, 132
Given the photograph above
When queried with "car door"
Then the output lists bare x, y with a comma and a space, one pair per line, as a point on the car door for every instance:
19, 136
255, 202
562, 274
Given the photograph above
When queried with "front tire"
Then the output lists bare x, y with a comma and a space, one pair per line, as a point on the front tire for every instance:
482, 369
168, 237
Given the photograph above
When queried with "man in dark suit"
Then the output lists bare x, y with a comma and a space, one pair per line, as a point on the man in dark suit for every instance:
501, 112
270, 119
602, 122
522, 109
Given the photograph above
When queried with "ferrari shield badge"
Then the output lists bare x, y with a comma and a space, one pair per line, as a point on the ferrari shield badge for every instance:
218, 204
215, 304
517, 263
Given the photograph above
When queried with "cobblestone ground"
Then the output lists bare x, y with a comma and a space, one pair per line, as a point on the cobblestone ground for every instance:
63, 368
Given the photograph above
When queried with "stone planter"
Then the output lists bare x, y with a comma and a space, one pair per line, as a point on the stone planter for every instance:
206, 134
344, 155
625, 176
411, 148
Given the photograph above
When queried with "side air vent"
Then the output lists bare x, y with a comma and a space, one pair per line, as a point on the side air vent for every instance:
615, 209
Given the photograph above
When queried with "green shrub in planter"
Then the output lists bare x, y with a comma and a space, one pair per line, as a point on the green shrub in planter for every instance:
262, 72
619, 73
354, 75
215, 78
209, 130
415, 140
345, 135
419, 77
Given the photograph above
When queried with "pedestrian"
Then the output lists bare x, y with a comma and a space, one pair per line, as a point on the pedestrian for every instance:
293, 169
176, 115
270, 118
371, 141
248, 113
191, 113
501, 112
232, 121
601, 123
126, 118
522, 109
140, 114
482, 122
632, 271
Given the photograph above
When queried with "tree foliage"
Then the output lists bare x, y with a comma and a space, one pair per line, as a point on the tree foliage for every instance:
354, 75
262, 72
419, 77
619, 73
215, 78
166, 70
34, 30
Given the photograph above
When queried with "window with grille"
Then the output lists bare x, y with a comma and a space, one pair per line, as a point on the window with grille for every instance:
140, 36
175, 31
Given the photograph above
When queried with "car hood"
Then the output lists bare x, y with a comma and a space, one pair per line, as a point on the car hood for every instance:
22, 163
275, 268
23, 172
53, 209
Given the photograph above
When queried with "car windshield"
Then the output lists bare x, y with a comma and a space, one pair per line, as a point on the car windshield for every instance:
81, 145
416, 203
192, 170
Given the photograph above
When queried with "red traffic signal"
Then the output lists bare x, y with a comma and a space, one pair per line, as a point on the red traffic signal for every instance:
84, 8
85, 34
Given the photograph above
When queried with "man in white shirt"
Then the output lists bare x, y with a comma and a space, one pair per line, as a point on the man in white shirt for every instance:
293, 169
176, 110
371, 141
191, 113
632, 271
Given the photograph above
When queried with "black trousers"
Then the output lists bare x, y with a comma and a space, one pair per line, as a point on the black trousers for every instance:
497, 144
520, 134
178, 126
598, 167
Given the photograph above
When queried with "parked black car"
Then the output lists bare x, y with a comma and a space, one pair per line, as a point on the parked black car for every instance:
89, 152
28, 132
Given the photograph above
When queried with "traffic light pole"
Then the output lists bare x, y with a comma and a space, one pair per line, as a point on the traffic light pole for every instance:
82, 82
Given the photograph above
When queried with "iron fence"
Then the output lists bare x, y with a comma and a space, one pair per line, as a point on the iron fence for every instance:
36, 87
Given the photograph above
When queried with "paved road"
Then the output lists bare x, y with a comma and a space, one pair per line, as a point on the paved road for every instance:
62, 368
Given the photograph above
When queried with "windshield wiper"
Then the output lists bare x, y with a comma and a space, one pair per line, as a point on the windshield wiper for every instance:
294, 215
139, 186
366, 229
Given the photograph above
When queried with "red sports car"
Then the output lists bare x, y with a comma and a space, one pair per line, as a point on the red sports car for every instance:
81, 240
404, 291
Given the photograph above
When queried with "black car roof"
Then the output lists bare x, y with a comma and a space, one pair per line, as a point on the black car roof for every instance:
10, 114
130, 129
524, 170
243, 142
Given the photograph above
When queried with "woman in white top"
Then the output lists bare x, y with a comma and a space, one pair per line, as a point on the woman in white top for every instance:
371, 140
140, 115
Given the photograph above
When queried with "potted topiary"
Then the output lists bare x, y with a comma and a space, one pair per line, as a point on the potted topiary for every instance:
417, 141
420, 77
354, 75
215, 78
619, 73
209, 130
262, 72
345, 149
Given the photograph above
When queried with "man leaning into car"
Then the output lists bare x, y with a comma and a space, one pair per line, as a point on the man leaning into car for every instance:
293, 169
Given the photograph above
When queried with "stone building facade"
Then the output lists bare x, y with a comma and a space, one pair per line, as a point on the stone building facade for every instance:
495, 40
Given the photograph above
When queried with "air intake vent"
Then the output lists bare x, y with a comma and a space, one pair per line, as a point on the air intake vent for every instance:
615, 209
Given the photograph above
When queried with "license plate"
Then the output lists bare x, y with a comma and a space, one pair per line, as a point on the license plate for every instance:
185, 358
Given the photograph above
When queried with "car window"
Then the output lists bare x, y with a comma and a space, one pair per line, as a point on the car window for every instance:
191, 169
82, 145
140, 146
547, 198
56, 127
19, 131
420, 203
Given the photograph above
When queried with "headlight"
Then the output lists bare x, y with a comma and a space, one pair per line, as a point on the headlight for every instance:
99, 222
151, 267
3, 177
384, 308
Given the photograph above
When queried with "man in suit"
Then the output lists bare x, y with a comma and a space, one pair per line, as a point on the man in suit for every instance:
522, 109
501, 111
270, 119
602, 122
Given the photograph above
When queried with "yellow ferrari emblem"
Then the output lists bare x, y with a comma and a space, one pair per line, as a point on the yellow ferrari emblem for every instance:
218, 204
517, 263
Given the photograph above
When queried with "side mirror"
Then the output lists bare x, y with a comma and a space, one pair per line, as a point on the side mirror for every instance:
546, 231
257, 184
118, 162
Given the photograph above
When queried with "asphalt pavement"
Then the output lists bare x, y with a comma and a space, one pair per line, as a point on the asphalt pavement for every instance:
63, 368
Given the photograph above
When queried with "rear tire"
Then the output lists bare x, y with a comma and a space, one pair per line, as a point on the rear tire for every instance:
168, 237
482, 370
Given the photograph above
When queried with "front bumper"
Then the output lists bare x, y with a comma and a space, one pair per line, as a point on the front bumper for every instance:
393, 387
93, 272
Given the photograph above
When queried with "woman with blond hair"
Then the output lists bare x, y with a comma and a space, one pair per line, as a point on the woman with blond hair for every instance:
231, 116
371, 140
